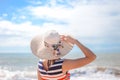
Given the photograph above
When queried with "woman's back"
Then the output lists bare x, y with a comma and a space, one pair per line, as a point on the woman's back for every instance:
53, 72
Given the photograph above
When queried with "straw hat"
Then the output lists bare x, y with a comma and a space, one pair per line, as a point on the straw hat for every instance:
49, 46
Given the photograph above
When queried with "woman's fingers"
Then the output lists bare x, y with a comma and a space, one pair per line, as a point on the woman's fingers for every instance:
67, 38
70, 39
63, 37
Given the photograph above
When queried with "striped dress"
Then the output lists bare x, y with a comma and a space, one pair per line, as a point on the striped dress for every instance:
54, 72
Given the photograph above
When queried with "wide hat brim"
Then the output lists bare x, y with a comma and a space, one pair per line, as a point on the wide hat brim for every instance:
42, 52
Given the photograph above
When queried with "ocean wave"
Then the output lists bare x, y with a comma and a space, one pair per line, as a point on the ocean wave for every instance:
93, 70
17, 75
84, 73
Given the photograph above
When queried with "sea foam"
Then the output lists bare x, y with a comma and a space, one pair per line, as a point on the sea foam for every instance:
85, 73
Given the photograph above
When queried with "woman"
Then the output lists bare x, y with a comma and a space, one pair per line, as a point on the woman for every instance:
57, 68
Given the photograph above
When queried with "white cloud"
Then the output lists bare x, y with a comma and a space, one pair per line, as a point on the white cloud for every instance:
50, 12
13, 34
14, 41
5, 15
83, 19
22, 17
22, 27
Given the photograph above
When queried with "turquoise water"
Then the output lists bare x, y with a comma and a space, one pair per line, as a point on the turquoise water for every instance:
27, 60
13, 61
108, 59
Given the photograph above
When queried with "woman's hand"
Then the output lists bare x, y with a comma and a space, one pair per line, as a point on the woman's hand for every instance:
68, 39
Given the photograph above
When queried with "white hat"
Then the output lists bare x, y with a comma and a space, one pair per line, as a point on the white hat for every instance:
49, 46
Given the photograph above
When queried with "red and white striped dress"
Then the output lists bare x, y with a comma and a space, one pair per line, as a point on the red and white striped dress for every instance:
54, 72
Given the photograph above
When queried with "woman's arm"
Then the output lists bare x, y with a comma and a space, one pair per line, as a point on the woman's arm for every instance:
69, 64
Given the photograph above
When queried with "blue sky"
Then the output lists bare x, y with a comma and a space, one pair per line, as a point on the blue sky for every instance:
95, 23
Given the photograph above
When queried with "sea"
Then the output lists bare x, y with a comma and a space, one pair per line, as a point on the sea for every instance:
23, 66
